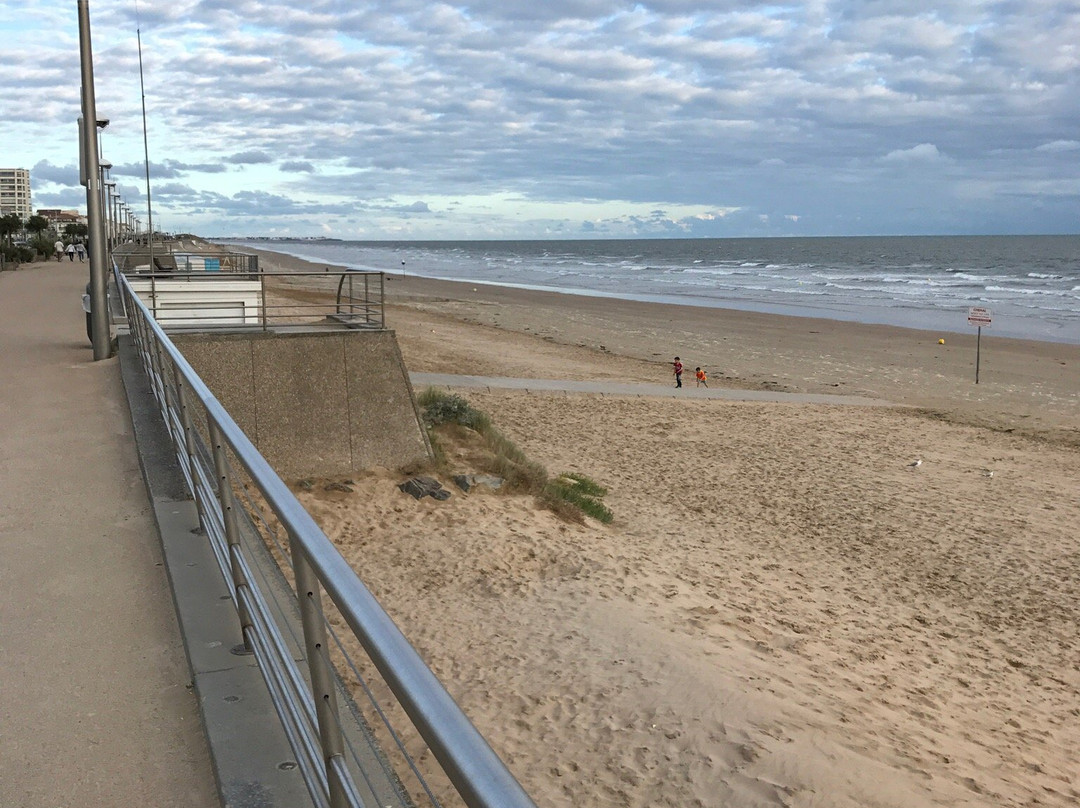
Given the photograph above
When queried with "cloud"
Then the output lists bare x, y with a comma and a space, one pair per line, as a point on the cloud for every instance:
253, 157
1059, 146
344, 110
923, 153
44, 171
298, 166
415, 207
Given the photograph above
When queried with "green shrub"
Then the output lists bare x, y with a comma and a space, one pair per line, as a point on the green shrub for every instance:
43, 245
18, 254
445, 408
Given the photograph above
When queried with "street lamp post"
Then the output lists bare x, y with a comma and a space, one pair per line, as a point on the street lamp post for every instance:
116, 217
99, 314
110, 195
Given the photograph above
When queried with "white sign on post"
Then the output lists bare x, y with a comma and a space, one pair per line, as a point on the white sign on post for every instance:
979, 316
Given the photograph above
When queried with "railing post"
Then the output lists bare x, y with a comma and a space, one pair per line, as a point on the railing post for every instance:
164, 388
232, 532
382, 300
189, 445
135, 323
262, 306
157, 384
309, 596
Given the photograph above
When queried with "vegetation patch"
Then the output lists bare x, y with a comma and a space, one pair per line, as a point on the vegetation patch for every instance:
583, 492
458, 430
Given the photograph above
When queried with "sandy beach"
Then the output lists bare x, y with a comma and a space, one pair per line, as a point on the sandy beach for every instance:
784, 612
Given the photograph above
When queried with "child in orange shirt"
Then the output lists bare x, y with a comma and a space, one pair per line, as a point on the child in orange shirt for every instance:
701, 378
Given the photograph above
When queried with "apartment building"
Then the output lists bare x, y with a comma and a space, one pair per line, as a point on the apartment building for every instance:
15, 192
58, 218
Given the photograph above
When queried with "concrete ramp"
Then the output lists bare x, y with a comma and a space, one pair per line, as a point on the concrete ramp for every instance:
314, 403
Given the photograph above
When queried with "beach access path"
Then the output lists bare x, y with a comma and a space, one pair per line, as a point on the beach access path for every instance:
95, 702
688, 390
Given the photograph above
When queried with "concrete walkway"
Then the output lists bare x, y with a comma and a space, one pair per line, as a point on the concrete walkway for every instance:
95, 708
421, 380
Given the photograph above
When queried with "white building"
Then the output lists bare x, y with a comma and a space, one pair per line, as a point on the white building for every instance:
15, 192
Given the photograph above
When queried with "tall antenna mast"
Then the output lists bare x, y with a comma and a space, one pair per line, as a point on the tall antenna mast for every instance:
146, 145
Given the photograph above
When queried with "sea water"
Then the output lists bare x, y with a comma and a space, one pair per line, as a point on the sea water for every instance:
1030, 284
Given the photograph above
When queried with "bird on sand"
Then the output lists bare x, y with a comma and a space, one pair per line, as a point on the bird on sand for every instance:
915, 464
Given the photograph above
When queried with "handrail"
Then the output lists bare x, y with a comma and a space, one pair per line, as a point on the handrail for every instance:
196, 300
476, 772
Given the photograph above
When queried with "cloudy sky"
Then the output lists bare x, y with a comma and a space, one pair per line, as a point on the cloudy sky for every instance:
499, 119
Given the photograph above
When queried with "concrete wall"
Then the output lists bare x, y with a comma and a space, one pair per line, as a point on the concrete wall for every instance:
315, 403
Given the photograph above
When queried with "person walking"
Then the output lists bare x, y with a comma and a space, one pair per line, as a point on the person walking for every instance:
80, 250
678, 365
59, 247
71, 252
702, 379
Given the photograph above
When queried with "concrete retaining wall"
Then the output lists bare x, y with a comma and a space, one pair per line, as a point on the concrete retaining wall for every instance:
315, 403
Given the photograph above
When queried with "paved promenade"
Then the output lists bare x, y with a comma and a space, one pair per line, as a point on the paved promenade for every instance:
95, 708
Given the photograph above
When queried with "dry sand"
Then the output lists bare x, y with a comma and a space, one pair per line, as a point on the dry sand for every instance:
783, 611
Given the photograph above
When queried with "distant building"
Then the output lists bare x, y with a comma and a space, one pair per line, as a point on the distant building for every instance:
58, 218
15, 192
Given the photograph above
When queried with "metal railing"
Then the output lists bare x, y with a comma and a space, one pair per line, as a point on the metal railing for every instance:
264, 300
205, 438
135, 259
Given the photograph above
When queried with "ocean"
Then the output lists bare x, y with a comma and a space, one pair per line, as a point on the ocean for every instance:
1030, 284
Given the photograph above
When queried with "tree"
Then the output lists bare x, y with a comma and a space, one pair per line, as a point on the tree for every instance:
9, 225
73, 230
37, 224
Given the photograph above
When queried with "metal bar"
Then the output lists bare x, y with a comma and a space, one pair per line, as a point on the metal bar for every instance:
322, 680
262, 292
481, 779
228, 510
306, 754
189, 446
978, 352
155, 377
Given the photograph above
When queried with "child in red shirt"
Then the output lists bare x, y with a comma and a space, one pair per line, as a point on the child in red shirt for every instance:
678, 371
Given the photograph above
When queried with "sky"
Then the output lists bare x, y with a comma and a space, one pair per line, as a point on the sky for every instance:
547, 119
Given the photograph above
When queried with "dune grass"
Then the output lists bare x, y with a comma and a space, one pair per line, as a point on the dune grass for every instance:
571, 495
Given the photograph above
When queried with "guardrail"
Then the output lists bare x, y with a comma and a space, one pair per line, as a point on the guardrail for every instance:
136, 259
201, 299
209, 446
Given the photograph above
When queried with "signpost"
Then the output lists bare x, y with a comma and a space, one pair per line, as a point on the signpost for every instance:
980, 317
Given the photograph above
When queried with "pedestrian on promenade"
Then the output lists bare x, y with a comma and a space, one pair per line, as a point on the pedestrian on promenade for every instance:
80, 250
59, 247
702, 379
71, 252
678, 371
